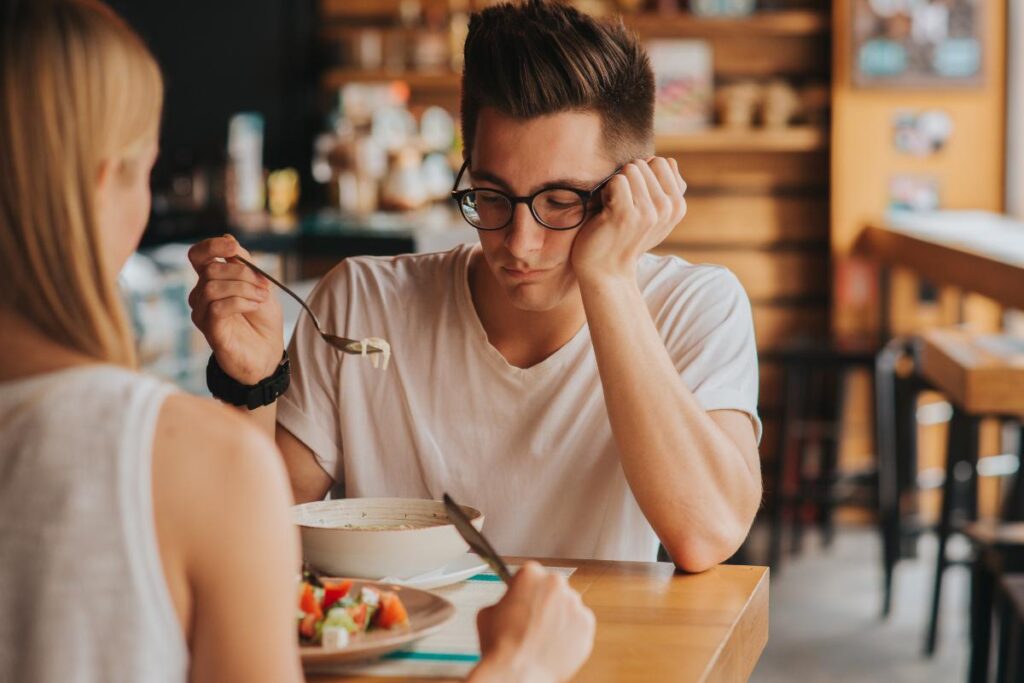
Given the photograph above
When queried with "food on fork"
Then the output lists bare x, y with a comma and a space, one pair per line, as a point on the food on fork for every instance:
369, 343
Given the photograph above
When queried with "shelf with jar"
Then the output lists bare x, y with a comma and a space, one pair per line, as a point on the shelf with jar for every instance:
793, 120
777, 55
798, 39
381, 153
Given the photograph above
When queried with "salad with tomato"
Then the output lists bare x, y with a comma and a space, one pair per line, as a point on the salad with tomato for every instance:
331, 612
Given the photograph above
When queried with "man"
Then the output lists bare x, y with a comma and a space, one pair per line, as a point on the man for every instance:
592, 399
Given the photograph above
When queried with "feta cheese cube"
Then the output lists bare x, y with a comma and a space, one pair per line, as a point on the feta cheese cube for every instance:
334, 637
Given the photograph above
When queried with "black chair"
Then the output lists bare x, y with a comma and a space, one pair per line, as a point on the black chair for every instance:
814, 379
946, 358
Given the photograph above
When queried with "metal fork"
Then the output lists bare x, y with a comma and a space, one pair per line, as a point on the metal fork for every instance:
353, 346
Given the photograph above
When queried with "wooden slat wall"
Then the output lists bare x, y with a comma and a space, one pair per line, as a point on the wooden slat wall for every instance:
775, 324
764, 214
768, 56
769, 275
756, 173
751, 220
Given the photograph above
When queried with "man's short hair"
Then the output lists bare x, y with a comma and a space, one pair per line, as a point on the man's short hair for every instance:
539, 57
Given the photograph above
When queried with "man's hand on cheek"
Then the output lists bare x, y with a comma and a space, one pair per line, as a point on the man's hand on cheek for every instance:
642, 204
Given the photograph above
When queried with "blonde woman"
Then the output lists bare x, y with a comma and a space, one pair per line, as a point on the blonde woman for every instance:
144, 534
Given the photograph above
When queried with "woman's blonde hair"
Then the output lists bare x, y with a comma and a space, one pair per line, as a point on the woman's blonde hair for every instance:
77, 88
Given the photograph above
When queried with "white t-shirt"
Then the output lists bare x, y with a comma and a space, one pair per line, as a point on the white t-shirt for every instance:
532, 448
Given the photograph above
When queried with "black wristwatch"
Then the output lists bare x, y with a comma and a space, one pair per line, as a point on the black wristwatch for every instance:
252, 396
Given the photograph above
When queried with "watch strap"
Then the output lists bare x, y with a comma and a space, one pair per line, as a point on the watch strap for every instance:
252, 396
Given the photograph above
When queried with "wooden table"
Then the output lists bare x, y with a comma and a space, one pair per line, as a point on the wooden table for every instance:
980, 374
972, 250
656, 625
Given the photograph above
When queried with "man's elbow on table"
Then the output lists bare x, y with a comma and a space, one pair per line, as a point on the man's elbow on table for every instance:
695, 553
694, 557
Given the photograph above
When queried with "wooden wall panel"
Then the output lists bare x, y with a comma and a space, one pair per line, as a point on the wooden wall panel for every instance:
755, 173
777, 324
770, 394
751, 220
767, 57
769, 274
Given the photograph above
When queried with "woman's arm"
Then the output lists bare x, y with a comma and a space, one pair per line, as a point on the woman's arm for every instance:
230, 553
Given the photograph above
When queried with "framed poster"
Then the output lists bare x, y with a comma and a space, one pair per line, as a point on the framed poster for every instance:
917, 43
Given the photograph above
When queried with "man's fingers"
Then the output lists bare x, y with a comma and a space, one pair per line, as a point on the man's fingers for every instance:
225, 247
638, 185
668, 178
678, 176
223, 308
215, 290
233, 270
617, 193
657, 192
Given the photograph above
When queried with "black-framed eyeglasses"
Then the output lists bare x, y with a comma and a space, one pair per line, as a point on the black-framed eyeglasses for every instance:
556, 208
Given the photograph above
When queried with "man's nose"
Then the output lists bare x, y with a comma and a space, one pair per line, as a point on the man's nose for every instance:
524, 235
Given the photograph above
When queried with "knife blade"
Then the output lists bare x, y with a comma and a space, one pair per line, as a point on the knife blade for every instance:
476, 540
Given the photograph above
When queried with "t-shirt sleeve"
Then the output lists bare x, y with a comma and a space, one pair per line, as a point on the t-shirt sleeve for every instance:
310, 409
709, 332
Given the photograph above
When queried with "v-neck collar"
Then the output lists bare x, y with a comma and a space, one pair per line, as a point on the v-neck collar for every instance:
478, 335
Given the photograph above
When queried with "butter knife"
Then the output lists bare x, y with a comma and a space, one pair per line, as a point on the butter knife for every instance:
475, 539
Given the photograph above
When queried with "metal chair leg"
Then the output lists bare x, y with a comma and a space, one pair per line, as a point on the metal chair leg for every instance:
885, 452
982, 597
963, 432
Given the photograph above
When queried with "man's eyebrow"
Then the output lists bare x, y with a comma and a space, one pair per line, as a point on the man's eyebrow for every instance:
489, 177
572, 183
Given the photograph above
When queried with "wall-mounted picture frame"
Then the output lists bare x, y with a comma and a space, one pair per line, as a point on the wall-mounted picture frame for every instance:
917, 43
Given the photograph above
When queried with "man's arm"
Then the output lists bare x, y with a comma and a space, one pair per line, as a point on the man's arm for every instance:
308, 479
242, 321
695, 474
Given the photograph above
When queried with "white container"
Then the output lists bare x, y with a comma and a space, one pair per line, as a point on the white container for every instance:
245, 150
372, 538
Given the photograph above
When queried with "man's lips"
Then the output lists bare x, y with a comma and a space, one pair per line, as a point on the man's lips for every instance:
523, 273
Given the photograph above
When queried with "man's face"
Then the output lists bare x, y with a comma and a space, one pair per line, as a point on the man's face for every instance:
530, 262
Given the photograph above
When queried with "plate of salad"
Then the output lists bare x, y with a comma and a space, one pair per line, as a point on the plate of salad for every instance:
347, 620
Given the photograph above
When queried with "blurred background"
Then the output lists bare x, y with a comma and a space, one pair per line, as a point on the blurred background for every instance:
856, 163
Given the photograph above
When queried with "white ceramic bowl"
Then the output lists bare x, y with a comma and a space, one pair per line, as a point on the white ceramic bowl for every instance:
373, 538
